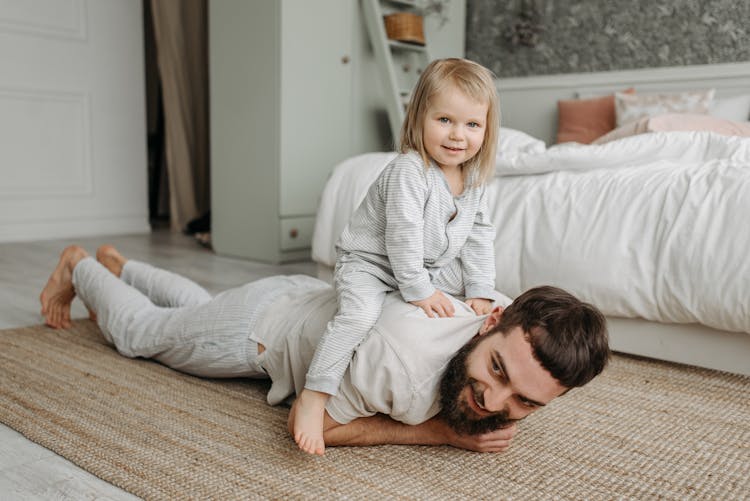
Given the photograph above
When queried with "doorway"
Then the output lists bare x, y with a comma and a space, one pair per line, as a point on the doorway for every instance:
158, 183
176, 68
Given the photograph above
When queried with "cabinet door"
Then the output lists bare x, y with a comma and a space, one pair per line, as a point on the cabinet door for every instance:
316, 93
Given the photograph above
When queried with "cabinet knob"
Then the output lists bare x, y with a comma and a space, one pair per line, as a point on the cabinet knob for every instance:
293, 233
345, 60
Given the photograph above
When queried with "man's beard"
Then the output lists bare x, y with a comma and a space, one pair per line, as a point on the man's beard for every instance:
456, 412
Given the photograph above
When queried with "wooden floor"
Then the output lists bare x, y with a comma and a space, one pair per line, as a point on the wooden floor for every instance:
29, 471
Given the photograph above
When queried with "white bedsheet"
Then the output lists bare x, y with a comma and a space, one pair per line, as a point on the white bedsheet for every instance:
343, 192
655, 226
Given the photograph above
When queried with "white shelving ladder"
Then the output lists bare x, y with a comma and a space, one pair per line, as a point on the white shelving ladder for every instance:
399, 63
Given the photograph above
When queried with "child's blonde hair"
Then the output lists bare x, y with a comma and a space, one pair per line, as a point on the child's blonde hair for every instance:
476, 82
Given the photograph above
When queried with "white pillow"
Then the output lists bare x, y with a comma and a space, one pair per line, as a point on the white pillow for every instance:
631, 107
513, 145
512, 142
735, 108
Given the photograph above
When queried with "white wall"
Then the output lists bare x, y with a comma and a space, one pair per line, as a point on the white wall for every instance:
446, 33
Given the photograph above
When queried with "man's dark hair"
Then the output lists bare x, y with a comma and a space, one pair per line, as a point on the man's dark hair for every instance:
567, 336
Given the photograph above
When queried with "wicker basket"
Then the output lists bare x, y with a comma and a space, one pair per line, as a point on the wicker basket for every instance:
405, 27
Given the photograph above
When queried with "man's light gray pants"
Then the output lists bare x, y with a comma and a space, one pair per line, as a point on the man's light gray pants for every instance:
153, 313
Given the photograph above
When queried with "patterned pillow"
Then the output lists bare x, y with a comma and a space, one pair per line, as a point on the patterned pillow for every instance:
631, 107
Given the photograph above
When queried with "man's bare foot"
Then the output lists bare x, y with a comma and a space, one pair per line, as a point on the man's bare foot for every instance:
111, 259
58, 294
308, 421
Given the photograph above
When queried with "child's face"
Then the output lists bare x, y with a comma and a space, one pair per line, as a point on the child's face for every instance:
454, 128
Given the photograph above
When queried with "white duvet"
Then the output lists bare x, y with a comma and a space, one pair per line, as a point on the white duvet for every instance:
655, 226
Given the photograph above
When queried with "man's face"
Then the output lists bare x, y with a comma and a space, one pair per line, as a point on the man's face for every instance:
492, 381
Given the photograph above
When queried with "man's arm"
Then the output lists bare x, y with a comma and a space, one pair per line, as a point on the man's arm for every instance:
382, 430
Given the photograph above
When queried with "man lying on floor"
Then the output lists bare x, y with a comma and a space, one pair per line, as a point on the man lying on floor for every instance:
461, 381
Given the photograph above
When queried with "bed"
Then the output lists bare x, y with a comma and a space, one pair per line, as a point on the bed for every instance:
651, 225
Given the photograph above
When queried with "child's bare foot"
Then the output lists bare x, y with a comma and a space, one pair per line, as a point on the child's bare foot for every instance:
111, 259
308, 421
58, 294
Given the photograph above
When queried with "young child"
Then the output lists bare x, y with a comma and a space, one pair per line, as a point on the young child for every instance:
422, 229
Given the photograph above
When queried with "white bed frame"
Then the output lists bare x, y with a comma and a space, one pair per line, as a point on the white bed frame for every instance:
529, 104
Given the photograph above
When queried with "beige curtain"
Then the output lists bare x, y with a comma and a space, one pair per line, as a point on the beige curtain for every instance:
181, 32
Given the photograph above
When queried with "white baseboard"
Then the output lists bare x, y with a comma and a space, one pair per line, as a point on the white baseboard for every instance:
25, 231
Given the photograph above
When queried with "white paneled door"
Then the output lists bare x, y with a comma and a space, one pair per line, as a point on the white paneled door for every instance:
72, 119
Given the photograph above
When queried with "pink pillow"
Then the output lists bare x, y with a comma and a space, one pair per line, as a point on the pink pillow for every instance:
583, 120
678, 122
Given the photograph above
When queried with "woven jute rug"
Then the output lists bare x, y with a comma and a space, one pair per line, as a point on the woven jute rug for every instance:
643, 430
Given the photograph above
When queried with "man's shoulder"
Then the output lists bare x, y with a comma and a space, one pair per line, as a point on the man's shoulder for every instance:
397, 369
414, 344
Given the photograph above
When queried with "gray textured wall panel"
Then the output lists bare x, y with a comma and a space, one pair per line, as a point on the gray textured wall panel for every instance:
604, 35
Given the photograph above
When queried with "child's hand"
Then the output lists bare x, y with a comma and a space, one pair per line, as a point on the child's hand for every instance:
437, 303
480, 305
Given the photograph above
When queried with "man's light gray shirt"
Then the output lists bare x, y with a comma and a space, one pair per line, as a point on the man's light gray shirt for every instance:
395, 371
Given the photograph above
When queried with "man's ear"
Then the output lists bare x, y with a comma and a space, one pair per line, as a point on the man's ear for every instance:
492, 319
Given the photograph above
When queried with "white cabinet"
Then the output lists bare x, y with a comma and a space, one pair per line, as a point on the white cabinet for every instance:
316, 95
282, 87
294, 91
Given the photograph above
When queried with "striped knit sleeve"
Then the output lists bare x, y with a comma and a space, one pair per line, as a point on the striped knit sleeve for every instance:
478, 254
404, 190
